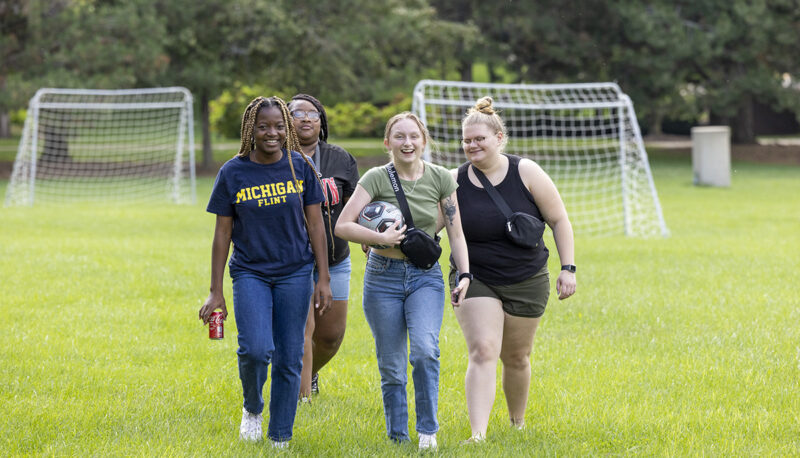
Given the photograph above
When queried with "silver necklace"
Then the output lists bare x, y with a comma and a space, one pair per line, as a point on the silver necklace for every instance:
415, 183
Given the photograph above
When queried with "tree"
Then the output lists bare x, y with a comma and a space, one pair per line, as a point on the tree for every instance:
77, 43
209, 45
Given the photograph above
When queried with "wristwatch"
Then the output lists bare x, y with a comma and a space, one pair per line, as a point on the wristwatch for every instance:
569, 267
465, 275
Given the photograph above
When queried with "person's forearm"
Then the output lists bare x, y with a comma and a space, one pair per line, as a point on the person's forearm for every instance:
219, 254
565, 244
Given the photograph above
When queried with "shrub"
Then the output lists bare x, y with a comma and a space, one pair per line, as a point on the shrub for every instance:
225, 112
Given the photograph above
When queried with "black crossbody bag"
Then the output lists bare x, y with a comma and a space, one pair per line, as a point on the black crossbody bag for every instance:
521, 228
422, 250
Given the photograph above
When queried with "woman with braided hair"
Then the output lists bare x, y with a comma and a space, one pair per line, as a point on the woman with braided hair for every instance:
267, 201
339, 171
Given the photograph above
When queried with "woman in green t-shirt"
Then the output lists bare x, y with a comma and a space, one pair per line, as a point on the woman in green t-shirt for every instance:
403, 302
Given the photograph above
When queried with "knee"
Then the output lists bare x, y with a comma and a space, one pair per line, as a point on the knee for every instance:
517, 360
392, 367
260, 353
482, 352
328, 342
424, 351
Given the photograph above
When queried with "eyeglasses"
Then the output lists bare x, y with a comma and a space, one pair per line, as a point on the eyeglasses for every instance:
300, 114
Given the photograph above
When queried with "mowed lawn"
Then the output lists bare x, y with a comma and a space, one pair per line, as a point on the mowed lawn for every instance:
687, 345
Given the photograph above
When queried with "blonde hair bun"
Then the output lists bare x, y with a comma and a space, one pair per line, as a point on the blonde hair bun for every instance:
483, 105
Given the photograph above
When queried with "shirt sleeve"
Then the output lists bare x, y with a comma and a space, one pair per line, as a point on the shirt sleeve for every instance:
370, 180
220, 202
447, 183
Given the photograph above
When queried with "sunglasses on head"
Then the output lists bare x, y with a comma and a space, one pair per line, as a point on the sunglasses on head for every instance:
300, 114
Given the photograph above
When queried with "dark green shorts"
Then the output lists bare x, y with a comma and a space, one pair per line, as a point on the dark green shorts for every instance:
527, 298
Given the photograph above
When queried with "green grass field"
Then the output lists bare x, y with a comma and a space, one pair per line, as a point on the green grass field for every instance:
687, 345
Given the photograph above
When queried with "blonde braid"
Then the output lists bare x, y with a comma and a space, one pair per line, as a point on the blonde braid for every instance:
248, 125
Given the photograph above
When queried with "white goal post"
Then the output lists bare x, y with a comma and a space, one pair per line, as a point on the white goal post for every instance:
116, 146
585, 136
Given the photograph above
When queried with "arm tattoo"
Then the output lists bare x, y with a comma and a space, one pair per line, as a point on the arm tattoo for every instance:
449, 210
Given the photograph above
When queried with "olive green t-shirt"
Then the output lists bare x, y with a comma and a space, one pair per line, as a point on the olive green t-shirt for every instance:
423, 196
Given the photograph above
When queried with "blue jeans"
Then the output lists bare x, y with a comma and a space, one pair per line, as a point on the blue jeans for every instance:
271, 317
401, 299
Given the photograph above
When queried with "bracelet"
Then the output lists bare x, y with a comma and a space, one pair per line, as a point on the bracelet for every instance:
465, 275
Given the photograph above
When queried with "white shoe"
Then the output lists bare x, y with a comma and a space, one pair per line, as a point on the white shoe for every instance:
427, 441
279, 444
250, 429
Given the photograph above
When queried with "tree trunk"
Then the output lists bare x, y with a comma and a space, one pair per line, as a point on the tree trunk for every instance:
208, 153
5, 124
744, 123
465, 69
657, 120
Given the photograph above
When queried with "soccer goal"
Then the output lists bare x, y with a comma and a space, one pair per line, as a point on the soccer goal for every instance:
585, 136
117, 146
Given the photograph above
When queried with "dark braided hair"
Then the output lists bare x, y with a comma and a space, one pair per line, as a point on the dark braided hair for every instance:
323, 117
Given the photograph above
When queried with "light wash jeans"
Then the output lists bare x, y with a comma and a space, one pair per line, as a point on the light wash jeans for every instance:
401, 299
271, 317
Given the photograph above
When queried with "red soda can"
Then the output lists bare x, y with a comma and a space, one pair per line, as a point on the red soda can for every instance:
215, 329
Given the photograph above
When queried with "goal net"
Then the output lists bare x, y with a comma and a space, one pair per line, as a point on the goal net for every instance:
585, 136
118, 146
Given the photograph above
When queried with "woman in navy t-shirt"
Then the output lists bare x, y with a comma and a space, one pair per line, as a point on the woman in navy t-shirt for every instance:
267, 203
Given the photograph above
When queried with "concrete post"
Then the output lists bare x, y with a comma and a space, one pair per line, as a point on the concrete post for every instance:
711, 155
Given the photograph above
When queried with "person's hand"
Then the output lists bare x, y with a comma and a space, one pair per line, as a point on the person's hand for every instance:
323, 297
458, 293
365, 248
393, 235
213, 302
566, 284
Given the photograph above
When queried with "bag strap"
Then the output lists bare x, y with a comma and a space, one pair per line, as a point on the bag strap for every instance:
495, 196
401, 196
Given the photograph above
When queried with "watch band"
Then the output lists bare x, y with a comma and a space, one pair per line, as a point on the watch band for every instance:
465, 275
569, 267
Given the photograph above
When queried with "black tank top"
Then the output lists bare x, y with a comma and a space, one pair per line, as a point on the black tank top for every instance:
493, 258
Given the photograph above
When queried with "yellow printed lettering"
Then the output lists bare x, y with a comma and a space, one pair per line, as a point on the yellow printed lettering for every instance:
265, 191
281, 188
249, 196
255, 189
290, 188
240, 196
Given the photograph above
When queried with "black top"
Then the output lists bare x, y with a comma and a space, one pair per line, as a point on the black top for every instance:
493, 258
339, 178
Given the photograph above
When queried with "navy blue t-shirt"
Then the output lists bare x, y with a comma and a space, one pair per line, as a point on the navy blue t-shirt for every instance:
269, 234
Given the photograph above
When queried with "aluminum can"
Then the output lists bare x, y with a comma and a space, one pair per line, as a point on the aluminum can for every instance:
215, 327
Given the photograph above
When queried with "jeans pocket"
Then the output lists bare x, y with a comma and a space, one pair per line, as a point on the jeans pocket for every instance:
377, 264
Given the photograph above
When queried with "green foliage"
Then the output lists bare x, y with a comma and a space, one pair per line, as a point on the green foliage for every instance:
671, 347
346, 120
227, 109
364, 119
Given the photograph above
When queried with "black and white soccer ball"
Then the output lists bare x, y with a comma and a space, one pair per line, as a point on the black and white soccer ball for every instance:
379, 216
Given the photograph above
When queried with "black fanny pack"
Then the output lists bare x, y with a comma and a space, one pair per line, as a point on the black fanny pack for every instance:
419, 247
521, 228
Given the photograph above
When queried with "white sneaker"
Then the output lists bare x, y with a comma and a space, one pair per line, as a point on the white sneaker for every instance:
427, 441
250, 429
279, 444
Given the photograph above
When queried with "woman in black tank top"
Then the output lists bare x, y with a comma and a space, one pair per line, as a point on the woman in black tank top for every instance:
509, 292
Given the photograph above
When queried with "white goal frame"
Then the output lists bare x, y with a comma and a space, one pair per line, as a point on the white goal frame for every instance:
585, 136
117, 146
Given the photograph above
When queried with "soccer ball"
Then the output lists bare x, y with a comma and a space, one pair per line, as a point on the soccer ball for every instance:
379, 216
